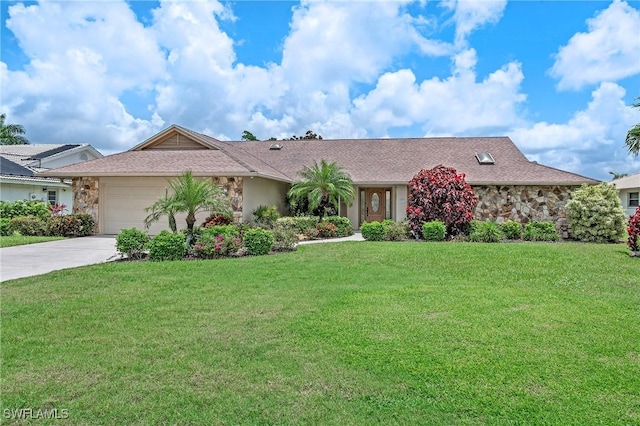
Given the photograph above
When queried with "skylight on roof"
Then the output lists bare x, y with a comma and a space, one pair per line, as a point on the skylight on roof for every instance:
484, 158
275, 147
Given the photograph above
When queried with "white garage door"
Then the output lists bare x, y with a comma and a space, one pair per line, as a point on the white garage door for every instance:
124, 201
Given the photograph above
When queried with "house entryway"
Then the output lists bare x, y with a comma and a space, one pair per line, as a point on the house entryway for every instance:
375, 204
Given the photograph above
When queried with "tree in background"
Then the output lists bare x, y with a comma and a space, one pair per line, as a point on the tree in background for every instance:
310, 135
323, 185
617, 175
248, 136
633, 136
440, 194
11, 134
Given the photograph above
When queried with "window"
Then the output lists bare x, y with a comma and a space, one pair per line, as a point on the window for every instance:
52, 197
633, 199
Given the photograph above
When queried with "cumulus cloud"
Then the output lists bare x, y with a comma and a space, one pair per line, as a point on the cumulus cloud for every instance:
456, 105
609, 51
591, 142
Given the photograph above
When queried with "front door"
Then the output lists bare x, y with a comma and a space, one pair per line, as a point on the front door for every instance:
375, 204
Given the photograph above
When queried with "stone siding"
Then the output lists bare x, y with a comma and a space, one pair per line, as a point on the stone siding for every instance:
524, 204
86, 194
232, 187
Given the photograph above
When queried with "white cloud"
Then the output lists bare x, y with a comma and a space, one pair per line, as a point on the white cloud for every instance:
591, 142
609, 51
472, 14
457, 105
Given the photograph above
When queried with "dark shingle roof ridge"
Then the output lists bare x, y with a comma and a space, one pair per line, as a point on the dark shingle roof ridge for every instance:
54, 151
273, 171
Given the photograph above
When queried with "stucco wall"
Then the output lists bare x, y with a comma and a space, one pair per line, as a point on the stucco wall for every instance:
524, 204
624, 200
15, 191
259, 191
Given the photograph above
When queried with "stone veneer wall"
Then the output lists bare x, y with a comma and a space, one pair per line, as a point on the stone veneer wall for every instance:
232, 186
524, 204
85, 198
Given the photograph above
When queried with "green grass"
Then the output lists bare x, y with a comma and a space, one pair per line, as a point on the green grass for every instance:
347, 333
20, 240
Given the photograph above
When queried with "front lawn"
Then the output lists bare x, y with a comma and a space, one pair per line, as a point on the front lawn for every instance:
346, 333
20, 240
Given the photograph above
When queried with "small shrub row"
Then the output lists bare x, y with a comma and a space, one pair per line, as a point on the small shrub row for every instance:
20, 208
72, 225
540, 231
387, 230
312, 227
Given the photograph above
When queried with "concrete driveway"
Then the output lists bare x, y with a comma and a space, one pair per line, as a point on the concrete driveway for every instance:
36, 259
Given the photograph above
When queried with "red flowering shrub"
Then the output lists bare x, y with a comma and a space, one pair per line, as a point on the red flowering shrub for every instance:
634, 230
216, 220
440, 194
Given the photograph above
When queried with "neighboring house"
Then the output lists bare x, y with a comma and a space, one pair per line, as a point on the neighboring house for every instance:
629, 190
20, 165
116, 189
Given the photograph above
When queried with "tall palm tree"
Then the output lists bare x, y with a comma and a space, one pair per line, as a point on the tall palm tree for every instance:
633, 136
11, 134
190, 196
322, 184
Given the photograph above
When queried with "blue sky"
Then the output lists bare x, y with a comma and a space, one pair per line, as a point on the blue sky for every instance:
558, 77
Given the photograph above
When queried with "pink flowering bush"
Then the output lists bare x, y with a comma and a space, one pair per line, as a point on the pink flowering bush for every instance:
209, 247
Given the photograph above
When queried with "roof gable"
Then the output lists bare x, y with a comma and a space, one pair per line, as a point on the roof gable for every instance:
176, 138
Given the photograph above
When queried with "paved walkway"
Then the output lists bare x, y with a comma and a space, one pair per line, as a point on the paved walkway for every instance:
355, 237
36, 259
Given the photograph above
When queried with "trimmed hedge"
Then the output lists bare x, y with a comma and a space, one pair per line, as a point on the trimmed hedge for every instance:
258, 241
435, 230
167, 246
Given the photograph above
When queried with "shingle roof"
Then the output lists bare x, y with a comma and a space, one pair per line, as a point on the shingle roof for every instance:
369, 161
628, 182
26, 155
8, 167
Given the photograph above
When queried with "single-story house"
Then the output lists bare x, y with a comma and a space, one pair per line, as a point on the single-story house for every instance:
116, 189
20, 165
629, 191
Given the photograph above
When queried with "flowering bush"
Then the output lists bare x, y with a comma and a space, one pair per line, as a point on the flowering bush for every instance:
57, 209
595, 214
209, 246
634, 230
216, 219
440, 194
326, 230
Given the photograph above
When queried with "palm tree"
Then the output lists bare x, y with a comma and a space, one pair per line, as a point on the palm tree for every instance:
617, 175
633, 136
191, 196
11, 134
165, 206
323, 184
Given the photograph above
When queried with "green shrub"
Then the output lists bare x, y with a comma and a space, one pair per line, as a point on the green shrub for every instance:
258, 241
512, 230
434, 231
300, 224
372, 231
5, 227
395, 231
266, 216
326, 230
210, 246
343, 225
485, 232
29, 226
20, 208
225, 230
63, 226
132, 243
167, 246
595, 214
86, 224
284, 239
540, 231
